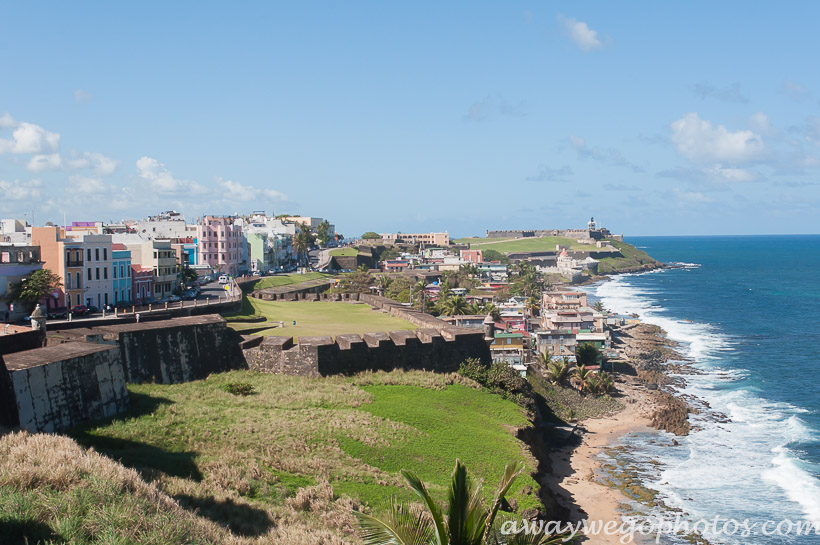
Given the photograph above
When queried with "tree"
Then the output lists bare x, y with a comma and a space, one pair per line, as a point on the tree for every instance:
581, 378
587, 354
370, 235
420, 291
357, 282
302, 242
455, 306
35, 286
557, 371
492, 310
467, 521
599, 306
323, 232
187, 275
493, 255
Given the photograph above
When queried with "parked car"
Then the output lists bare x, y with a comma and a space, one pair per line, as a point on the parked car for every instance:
223, 279
79, 310
92, 309
174, 298
188, 295
124, 304
57, 312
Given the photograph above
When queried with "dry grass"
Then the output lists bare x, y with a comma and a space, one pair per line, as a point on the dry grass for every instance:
200, 465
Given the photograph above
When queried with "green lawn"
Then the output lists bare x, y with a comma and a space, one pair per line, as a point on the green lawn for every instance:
345, 252
198, 442
285, 280
318, 318
529, 244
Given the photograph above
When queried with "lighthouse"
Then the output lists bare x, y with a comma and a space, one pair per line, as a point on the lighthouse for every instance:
591, 224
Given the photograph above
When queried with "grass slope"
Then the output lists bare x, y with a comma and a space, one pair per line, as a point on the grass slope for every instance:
632, 257
344, 252
317, 318
285, 280
274, 467
529, 244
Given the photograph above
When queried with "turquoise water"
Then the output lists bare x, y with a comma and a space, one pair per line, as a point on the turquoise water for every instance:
747, 312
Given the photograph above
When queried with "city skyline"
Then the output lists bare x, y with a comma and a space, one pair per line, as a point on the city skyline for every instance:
682, 120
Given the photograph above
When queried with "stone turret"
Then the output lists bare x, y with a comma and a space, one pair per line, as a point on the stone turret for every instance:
489, 329
38, 319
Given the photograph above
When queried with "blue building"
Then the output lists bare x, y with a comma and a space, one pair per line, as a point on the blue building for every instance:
121, 273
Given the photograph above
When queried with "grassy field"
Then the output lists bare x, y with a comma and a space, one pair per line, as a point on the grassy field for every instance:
529, 244
344, 252
317, 318
285, 280
285, 465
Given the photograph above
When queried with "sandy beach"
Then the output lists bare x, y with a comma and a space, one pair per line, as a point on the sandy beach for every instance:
576, 466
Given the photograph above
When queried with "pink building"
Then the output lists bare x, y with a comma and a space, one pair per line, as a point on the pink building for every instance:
472, 256
220, 244
142, 281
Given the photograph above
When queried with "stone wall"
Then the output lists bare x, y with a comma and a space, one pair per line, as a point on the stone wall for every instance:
21, 340
58, 387
8, 407
424, 349
170, 351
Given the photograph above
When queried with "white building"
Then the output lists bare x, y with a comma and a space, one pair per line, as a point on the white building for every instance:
99, 282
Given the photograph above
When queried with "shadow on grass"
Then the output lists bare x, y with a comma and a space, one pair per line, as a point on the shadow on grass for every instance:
27, 531
134, 454
239, 518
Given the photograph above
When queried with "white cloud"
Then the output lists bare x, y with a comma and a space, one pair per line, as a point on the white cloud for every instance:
40, 163
700, 141
611, 156
580, 33
81, 96
161, 179
87, 184
692, 197
760, 123
7, 122
101, 164
730, 175
238, 192
17, 191
29, 138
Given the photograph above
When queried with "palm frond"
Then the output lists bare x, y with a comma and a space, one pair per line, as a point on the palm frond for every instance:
418, 487
511, 472
399, 526
458, 500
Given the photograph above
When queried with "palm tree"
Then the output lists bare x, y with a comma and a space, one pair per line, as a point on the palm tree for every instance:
582, 377
420, 289
302, 242
468, 521
492, 310
475, 308
453, 306
599, 306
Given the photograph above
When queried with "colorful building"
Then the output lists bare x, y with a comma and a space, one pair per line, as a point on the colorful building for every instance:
121, 271
220, 244
16, 262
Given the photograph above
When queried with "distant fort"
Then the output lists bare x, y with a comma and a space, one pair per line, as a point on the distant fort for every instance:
591, 233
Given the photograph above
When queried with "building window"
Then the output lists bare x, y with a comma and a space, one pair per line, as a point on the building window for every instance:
105, 273
96, 254
121, 272
89, 270
89, 256
105, 254
98, 274
78, 284
114, 271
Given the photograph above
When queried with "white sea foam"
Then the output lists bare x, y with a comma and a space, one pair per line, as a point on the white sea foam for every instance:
742, 467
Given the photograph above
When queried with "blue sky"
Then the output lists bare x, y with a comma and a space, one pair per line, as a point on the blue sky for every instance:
656, 118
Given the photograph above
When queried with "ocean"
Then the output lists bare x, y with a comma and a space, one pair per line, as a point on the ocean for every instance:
746, 311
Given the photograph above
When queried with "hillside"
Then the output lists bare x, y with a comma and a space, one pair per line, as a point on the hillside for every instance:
285, 465
529, 244
633, 260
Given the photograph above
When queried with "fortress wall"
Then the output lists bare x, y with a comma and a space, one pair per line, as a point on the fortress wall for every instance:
61, 386
424, 349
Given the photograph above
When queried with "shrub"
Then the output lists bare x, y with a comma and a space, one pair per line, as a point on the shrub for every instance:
240, 388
